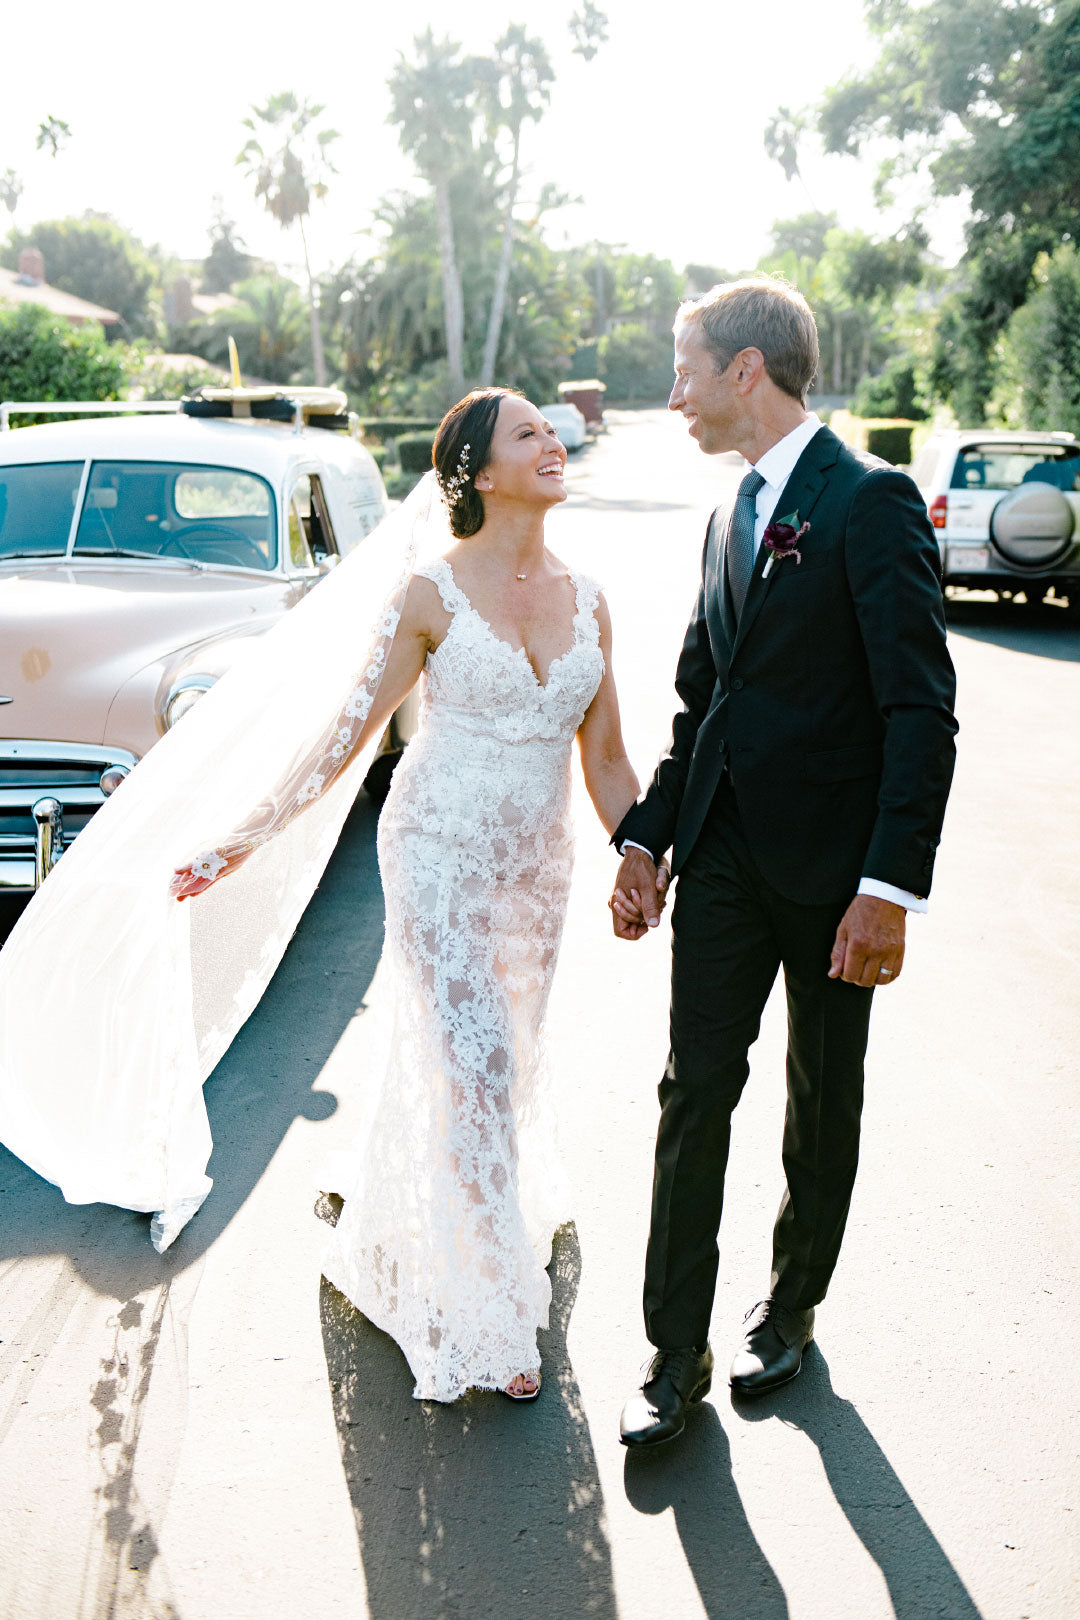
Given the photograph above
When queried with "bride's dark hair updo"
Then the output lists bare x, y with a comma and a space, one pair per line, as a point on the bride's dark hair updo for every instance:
462, 448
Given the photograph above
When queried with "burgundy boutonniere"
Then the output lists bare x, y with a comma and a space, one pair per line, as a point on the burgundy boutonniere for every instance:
782, 538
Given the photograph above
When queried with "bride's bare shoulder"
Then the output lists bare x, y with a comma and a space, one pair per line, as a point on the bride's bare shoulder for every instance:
424, 611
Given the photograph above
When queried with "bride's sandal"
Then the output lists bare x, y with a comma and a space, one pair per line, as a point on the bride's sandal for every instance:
518, 1389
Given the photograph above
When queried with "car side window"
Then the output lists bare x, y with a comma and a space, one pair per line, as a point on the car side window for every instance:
314, 539
299, 519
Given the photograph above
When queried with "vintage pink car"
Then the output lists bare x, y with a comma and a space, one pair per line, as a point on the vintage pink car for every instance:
138, 556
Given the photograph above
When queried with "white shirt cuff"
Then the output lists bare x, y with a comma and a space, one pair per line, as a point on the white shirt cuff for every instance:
628, 843
899, 897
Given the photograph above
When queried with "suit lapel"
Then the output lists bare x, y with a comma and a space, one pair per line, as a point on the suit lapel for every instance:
800, 494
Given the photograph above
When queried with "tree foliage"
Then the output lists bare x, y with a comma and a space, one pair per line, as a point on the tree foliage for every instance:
46, 358
227, 262
588, 30
96, 259
288, 158
1039, 352
984, 98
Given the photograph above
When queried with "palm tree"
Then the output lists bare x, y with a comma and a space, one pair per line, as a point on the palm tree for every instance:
11, 189
433, 105
518, 90
289, 166
52, 134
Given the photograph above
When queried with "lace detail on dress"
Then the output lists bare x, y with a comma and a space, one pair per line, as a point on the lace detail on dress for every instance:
444, 1239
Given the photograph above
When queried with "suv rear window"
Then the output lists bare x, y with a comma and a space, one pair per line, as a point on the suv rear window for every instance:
1006, 466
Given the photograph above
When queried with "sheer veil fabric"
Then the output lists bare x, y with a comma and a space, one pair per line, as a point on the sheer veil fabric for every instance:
115, 1001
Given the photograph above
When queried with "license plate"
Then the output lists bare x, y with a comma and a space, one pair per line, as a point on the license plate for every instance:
969, 559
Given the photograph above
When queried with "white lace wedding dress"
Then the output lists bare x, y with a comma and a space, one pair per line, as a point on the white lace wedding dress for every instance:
445, 1235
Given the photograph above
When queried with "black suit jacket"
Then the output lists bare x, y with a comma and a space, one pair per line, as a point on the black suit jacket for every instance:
831, 704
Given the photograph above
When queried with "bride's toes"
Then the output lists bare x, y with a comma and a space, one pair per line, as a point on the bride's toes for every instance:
524, 1387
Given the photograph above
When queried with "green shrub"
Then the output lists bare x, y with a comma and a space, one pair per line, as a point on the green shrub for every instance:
893, 392
400, 484
378, 454
414, 451
1038, 354
891, 441
391, 427
44, 357
635, 363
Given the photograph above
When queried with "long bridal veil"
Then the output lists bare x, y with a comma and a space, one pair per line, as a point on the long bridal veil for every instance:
115, 1001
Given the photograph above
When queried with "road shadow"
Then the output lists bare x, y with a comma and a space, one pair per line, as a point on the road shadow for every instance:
480, 1508
918, 1574
1042, 630
693, 1479
262, 1084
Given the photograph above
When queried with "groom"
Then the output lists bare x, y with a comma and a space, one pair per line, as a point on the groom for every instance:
802, 797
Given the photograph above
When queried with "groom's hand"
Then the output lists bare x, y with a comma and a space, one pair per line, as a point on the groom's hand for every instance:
640, 895
869, 948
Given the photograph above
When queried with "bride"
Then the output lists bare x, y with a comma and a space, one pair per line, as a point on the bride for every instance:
446, 1233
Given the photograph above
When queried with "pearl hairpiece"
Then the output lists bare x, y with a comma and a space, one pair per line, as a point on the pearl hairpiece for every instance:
453, 488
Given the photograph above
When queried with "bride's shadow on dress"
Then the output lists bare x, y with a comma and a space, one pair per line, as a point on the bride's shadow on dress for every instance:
262, 1084
476, 1508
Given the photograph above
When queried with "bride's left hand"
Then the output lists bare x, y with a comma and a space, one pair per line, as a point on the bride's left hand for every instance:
188, 881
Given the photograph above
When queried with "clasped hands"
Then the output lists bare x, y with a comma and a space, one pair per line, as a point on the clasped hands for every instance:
869, 945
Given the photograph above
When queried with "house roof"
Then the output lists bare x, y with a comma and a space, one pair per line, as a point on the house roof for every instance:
16, 289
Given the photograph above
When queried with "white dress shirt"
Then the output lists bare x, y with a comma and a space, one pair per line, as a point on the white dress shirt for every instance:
776, 467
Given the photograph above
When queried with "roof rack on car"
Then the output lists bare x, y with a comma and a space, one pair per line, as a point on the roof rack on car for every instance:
310, 407
83, 407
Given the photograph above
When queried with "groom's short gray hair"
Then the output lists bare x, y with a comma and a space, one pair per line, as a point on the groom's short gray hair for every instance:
759, 312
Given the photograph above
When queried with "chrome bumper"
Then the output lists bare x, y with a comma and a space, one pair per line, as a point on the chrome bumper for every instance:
48, 792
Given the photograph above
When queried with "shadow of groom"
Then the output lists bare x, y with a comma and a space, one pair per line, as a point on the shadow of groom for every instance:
917, 1571
693, 1478
476, 1508
732, 1573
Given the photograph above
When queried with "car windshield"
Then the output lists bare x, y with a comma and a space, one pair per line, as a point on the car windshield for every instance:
216, 515
1007, 466
37, 504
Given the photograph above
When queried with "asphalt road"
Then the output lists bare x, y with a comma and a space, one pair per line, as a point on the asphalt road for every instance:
214, 1435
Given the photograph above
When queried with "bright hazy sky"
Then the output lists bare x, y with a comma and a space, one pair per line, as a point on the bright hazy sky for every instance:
660, 135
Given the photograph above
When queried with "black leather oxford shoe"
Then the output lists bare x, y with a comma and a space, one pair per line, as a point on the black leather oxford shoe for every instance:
772, 1351
676, 1380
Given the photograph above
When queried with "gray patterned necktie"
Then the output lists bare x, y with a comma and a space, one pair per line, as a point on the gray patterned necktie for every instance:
740, 544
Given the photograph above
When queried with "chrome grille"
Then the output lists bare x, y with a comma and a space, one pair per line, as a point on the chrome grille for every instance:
30, 771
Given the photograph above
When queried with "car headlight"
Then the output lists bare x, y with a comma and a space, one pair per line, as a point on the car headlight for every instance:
111, 778
184, 697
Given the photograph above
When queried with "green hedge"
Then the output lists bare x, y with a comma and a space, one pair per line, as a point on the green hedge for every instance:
414, 451
400, 484
891, 443
379, 454
382, 428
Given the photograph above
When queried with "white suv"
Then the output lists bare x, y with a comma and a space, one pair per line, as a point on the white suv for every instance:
1006, 509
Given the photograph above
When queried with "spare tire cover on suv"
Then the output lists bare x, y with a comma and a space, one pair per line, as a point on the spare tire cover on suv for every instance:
1032, 527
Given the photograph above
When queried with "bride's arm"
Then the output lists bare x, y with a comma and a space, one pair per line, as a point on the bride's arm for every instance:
609, 776
379, 690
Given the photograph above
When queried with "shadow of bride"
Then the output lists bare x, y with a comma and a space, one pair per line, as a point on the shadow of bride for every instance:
917, 1571
482, 1507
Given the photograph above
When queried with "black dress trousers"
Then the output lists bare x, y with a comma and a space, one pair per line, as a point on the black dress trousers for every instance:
731, 932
